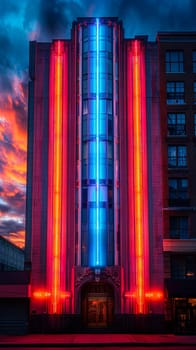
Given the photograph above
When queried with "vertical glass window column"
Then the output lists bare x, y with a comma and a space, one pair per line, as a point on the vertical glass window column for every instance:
96, 225
98, 248
97, 146
93, 144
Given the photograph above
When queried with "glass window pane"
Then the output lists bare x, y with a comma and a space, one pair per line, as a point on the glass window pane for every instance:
92, 104
176, 124
110, 150
178, 226
84, 150
84, 128
174, 61
181, 156
109, 106
110, 128
172, 159
178, 268
178, 190
177, 156
175, 92
85, 107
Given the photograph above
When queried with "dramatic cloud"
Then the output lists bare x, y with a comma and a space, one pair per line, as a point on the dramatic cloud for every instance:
13, 230
13, 160
41, 20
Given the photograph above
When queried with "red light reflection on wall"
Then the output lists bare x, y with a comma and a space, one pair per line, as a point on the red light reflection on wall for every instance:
152, 295
42, 294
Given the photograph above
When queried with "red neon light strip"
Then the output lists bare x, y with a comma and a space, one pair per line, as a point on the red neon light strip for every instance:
154, 295
131, 208
64, 170
43, 294
137, 177
146, 236
49, 265
57, 178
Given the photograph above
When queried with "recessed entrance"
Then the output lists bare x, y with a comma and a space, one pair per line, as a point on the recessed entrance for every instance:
185, 315
97, 304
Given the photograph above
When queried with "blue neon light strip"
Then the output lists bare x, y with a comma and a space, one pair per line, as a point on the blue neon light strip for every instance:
97, 151
97, 147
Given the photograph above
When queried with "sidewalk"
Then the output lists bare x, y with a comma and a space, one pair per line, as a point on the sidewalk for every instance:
82, 340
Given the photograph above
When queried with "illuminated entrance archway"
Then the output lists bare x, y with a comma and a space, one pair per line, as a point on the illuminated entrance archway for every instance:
97, 300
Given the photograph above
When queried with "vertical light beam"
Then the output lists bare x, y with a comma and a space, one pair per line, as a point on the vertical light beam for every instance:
57, 178
97, 147
137, 176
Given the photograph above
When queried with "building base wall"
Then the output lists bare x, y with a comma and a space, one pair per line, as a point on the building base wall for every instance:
14, 316
44, 323
140, 323
73, 324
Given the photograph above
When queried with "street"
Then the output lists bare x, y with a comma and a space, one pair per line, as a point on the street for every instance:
186, 347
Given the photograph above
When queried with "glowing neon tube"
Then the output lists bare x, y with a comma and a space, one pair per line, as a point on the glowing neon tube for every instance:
57, 178
64, 161
138, 179
97, 147
137, 175
97, 164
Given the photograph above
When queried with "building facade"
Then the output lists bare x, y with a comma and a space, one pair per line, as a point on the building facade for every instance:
98, 214
177, 52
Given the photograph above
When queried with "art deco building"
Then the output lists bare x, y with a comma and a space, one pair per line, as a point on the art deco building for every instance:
94, 204
98, 214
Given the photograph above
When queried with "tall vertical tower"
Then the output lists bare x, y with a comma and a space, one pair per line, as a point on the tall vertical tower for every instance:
94, 225
97, 52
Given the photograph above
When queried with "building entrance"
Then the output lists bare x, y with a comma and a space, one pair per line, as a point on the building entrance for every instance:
185, 315
97, 304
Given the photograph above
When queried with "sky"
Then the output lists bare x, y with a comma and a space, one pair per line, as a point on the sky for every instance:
43, 20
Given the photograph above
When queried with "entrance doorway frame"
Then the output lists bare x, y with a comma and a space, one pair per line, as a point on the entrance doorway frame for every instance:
97, 304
